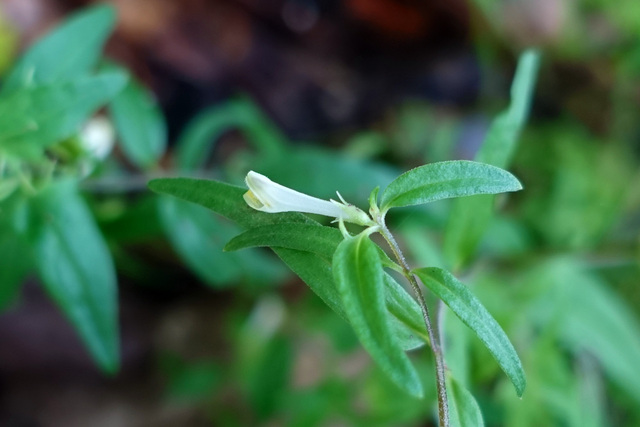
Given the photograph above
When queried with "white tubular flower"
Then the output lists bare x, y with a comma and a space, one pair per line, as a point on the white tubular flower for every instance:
267, 196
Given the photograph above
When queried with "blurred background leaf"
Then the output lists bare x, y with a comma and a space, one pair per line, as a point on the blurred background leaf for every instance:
320, 97
140, 124
65, 54
76, 268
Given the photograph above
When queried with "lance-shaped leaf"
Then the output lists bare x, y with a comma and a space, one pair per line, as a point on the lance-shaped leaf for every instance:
405, 309
444, 180
140, 123
319, 240
469, 309
36, 117
463, 408
469, 217
358, 274
66, 53
76, 268
197, 236
314, 238
502, 137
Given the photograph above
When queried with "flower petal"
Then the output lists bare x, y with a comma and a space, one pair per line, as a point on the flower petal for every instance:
267, 196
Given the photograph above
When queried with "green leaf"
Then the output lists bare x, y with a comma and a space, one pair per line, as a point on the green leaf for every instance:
406, 310
502, 137
470, 217
593, 318
314, 238
323, 241
65, 54
197, 141
198, 237
313, 269
224, 199
34, 118
445, 180
358, 274
469, 309
76, 268
319, 240
463, 408
140, 124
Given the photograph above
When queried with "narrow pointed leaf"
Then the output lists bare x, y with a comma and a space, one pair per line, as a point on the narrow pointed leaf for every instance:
141, 126
319, 240
358, 274
224, 199
469, 309
443, 180
501, 140
76, 268
68, 52
197, 236
34, 118
463, 408
470, 217
405, 309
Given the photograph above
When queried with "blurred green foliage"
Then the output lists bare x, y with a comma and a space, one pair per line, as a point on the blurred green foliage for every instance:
556, 265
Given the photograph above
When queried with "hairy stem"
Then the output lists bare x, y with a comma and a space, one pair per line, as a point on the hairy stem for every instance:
443, 406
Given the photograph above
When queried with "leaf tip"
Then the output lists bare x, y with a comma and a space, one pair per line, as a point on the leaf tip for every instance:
111, 367
229, 246
416, 390
154, 185
520, 386
518, 185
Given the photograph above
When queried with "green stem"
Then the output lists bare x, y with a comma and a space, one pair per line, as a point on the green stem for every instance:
443, 405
